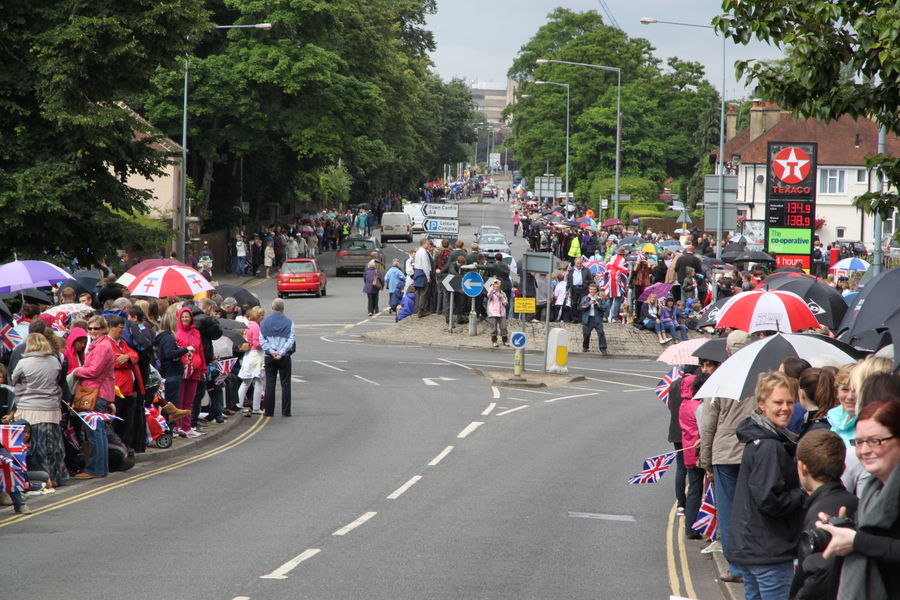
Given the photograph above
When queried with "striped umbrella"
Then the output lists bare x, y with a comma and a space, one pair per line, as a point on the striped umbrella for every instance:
169, 281
761, 310
850, 264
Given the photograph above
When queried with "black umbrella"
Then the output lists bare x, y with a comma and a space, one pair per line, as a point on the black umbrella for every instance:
88, 277
5, 312
789, 270
825, 302
732, 251
711, 262
711, 312
872, 306
231, 324
713, 349
32, 294
754, 256
235, 337
873, 340
243, 296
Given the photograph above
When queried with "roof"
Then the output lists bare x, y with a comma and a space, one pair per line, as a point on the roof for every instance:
161, 143
837, 140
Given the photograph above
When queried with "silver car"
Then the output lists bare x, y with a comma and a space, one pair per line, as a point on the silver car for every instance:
492, 244
487, 230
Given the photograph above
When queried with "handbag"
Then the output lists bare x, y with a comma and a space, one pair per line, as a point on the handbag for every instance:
85, 398
376, 283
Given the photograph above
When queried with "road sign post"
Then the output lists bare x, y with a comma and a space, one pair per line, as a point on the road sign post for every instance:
518, 340
472, 284
441, 226
440, 211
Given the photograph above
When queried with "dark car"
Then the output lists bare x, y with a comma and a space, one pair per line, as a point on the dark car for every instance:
354, 254
301, 276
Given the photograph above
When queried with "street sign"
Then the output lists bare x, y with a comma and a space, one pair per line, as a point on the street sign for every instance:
472, 284
539, 262
525, 305
548, 186
440, 211
622, 197
518, 339
441, 226
452, 283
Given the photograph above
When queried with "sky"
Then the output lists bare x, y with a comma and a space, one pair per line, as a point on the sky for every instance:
478, 39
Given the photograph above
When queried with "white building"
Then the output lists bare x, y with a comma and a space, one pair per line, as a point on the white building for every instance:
491, 98
843, 146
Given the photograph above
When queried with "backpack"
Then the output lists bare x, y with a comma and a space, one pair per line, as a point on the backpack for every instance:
442, 259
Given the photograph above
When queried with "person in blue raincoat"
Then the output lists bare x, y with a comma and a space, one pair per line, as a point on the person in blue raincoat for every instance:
394, 281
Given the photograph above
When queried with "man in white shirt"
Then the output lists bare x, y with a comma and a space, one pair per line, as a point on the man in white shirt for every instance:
422, 276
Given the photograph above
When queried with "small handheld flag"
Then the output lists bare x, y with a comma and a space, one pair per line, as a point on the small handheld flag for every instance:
654, 468
12, 437
9, 337
224, 367
662, 388
707, 523
94, 418
13, 477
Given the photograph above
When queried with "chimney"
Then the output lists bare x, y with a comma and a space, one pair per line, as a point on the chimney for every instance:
730, 123
763, 117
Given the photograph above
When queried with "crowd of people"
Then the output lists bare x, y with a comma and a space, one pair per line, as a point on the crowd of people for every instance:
99, 377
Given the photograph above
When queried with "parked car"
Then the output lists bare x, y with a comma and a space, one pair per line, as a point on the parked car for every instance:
396, 225
492, 244
489, 191
354, 254
487, 230
301, 276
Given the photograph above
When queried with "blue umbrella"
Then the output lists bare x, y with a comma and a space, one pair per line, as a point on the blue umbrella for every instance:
851, 264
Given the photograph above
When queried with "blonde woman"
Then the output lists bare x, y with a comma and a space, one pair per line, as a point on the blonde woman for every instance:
253, 363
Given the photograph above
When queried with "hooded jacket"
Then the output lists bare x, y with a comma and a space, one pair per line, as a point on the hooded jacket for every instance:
768, 500
842, 424
74, 358
187, 335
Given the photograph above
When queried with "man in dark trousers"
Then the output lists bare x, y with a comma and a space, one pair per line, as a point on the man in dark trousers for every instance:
577, 280
276, 336
593, 310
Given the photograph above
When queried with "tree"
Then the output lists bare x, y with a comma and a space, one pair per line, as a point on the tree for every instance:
66, 146
841, 58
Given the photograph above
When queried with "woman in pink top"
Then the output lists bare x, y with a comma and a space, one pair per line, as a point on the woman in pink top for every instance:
253, 363
690, 441
195, 366
516, 220
97, 372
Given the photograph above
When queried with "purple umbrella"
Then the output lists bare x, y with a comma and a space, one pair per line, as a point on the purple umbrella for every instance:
660, 289
24, 274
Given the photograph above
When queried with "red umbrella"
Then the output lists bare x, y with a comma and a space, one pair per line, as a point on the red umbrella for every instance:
759, 310
145, 265
611, 222
169, 281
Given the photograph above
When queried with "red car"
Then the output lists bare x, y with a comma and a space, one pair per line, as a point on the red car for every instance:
301, 276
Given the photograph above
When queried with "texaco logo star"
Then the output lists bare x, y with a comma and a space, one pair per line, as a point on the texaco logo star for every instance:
792, 165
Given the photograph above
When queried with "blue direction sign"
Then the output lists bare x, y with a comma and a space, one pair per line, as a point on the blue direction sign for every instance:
518, 339
472, 284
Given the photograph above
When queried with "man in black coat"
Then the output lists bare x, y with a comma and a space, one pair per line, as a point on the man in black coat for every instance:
577, 280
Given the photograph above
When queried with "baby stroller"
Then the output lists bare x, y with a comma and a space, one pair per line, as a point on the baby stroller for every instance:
160, 413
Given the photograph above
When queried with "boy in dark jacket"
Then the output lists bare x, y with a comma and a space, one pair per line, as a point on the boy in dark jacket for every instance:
820, 462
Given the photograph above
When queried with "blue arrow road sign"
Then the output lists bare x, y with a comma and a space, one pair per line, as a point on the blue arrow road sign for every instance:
472, 284
518, 340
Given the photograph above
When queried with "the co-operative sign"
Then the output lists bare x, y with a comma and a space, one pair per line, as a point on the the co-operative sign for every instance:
442, 226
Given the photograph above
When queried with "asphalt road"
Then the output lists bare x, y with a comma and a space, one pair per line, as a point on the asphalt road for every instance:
402, 474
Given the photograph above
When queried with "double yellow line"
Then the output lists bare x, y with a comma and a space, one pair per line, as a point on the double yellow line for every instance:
63, 502
675, 535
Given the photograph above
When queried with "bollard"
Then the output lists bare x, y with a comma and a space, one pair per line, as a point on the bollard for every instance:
557, 351
518, 364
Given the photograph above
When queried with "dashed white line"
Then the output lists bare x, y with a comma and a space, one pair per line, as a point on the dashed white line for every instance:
601, 516
319, 362
614, 382
568, 397
536, 392
441, 456
447, 360
400, 490
353, 525
469, 429
367, 380
495, 391
511, 410
282, 571
519, 399
489, 409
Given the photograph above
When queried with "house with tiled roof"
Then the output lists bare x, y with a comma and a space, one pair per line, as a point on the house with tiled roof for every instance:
843, 146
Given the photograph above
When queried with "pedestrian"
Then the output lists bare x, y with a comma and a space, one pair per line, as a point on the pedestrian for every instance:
393, 283
240, 255
97, 373
516, 221
577, 281
252, 364
690, 441
497, 303
129, 408
194, 364
594, 308
169, 354
372, 285
422, 276
269, 258
276, 336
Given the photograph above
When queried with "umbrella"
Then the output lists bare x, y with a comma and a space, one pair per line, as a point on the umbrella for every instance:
874, 304
588, 220
684, 217
611, 222
243, 296
825, 302
732, 251
711, 312
648, 248
169, 281
789, 270
712, 349
555, 218
5, 313
740, 239
682, 353
234, 336
74, 309
710, 262
129, 276
850, 264
631, 239
660, 289
231, 324
24, 274
893, 325
37, 296
736, 377
761, 310
753, 256
305, 229
873, 340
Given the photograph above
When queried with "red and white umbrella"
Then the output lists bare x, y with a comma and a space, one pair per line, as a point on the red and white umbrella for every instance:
169, 281
761, 310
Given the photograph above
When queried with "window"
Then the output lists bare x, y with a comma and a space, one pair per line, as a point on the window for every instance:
841, 232
478, 96
862, 176
832, 181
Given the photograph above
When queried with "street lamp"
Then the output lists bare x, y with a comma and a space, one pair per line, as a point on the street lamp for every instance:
720, 216
618, 71
565, 85
182, 212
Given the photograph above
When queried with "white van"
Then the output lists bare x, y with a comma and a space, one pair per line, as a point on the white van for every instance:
396, 225
415, 213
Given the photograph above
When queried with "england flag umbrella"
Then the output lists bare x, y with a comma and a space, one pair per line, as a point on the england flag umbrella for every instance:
169, 281
825, 302
850, 264
24, 274
761, 310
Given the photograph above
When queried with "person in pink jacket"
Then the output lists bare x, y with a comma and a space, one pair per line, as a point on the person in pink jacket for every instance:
97, 372
690, 441
194, 365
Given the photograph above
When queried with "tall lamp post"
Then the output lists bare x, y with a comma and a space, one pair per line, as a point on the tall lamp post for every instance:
618, 71
182, 209
720, 216
565, 85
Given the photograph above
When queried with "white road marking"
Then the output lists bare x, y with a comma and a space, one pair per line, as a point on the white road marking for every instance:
335, 360
469, 429
282, 571
568, 397
319, 362
614, 382
433, 364
433, 380
495, 391
364, 321
441, 456
447, 360
631, 374
366, 380
399, 491
489, 409
298, 379
512, 410
601, 516
639, 390
527, 391
519, 399
353, 525
241, 598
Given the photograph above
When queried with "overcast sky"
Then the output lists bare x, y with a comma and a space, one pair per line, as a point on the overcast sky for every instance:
478, 39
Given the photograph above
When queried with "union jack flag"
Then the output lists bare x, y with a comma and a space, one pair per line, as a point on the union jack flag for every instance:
9, 337
662, 388
707, 523
596, 266
654, 468
13, 476
93, 418
615, 279
225, 367
12, 437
